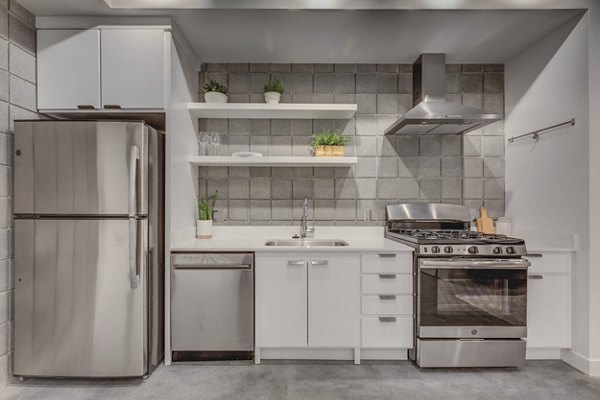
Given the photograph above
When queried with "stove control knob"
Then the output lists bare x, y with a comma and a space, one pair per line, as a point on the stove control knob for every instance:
497, 250
473, 250
448, 249
435, 249
510, 250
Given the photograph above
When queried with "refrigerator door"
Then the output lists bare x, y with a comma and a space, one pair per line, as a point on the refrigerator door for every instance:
76, 313
80, 167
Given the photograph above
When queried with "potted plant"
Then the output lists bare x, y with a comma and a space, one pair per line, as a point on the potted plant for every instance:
273, 91
204, 224
329, 144
214, 92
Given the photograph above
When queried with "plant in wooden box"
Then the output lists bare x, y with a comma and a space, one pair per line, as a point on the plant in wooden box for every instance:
214, 92
204, 224
329, 144
273, 90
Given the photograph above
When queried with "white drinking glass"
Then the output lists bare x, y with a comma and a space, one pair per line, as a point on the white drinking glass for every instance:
215, 141
203, 141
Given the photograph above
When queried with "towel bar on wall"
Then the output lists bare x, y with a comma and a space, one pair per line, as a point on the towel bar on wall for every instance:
536, 134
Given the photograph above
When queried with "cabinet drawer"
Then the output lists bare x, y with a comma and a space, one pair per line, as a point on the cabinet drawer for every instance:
387, 304
387, 332
559, 263
387, 284
387, 262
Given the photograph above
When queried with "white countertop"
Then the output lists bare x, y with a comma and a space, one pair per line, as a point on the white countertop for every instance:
253, 238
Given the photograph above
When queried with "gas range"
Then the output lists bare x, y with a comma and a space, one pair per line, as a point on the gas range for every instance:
470, 288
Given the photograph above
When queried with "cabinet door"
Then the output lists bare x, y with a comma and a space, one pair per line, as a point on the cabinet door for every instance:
281, 303
68, 63
334, 303
133, 65
549, 310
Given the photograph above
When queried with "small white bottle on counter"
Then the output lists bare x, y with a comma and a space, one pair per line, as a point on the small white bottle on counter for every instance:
504, 226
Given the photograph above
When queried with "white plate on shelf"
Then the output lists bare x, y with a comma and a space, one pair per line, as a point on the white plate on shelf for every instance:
245, 154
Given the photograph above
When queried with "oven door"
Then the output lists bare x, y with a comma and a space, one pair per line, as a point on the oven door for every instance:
472, 298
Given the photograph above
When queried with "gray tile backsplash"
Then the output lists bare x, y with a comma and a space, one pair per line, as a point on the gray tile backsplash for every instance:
17, 101
465, 169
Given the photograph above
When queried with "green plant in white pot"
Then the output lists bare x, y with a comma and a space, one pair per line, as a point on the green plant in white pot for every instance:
215, 92
273, 90
204, 225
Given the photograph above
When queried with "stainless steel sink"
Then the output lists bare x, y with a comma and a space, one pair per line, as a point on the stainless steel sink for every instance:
306, 242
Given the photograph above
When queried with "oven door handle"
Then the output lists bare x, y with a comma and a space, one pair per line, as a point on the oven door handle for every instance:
474, 264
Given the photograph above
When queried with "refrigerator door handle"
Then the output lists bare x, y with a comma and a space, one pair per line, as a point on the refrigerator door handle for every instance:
134, 253
134, 156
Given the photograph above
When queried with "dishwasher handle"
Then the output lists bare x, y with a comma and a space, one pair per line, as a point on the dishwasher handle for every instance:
225, 261
212, 266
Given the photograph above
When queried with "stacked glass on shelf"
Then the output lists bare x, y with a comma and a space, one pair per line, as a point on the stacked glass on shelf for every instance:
209, 143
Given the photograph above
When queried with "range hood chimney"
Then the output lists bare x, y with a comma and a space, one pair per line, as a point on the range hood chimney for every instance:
431, 113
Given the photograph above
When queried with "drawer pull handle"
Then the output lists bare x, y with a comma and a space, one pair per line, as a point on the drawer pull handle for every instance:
387, 255
322, 262
536, 277
112, 107
387, 319
387, 297
386, 276
534, 255
298, 262
85, 107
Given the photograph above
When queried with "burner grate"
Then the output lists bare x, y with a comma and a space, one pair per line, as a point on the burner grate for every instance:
450, 234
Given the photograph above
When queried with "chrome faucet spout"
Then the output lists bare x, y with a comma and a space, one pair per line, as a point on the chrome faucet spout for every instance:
304, 221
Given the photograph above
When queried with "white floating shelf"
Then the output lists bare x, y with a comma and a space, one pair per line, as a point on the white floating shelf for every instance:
272, 111
222, 161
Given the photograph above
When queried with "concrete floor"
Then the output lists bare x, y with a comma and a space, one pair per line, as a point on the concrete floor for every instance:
311, 380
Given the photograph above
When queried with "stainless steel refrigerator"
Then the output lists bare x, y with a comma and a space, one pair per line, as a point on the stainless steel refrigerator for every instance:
88, 248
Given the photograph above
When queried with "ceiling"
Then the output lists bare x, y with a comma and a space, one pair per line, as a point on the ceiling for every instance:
343, 36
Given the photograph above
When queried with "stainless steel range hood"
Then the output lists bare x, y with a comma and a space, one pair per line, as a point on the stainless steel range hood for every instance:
431, 113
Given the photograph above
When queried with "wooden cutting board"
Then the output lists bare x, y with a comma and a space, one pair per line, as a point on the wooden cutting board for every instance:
485, 223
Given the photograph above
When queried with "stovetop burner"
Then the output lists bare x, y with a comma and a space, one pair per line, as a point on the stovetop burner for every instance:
459, 235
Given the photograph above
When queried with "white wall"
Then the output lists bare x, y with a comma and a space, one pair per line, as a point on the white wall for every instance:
594, 151
549, 182
180, 185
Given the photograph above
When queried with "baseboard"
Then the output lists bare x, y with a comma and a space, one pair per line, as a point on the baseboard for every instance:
543, 354
383, 354
331, 354
584, 364
306, 354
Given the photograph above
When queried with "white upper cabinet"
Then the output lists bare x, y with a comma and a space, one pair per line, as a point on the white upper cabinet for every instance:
105, 68
68, 69
133, 68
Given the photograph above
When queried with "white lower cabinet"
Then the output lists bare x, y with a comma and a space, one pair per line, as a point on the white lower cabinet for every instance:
308, 300
333, 306
549, 301
387, 301
387, 332
334, 303
281, 303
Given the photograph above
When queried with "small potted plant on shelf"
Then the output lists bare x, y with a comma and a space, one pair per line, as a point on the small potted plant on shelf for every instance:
214, 92
273, 91
329, 144
204, 225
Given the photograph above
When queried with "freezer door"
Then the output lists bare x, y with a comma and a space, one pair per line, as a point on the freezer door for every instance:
80, 167
76, 313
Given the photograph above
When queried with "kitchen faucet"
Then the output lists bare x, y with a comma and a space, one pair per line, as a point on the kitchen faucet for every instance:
305, 231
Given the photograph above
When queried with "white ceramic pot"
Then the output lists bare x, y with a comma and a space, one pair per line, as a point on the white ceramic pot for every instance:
204, 229
215, 97
272, 97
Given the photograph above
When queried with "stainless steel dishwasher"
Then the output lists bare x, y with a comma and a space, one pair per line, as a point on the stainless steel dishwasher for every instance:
212, 306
